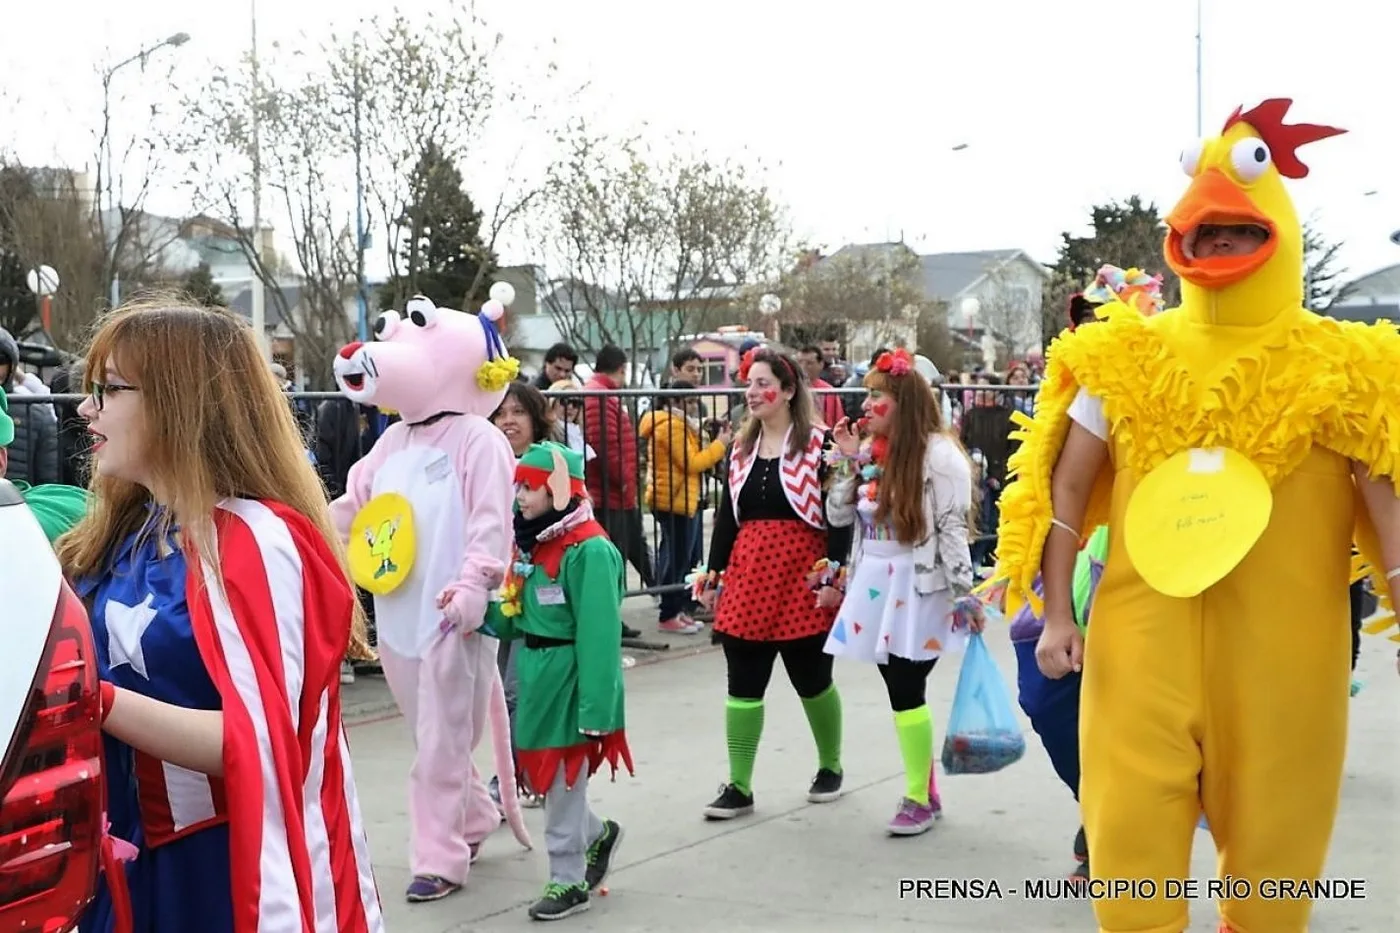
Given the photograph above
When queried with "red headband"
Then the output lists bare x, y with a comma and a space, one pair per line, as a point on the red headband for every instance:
749, 359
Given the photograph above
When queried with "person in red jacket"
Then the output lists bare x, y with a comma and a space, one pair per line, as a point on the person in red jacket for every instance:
611, 476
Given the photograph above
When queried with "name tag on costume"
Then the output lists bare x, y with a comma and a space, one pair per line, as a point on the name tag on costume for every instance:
550, 595
439, 469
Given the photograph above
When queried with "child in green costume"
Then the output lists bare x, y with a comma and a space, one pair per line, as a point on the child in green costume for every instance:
563, 599
56, 506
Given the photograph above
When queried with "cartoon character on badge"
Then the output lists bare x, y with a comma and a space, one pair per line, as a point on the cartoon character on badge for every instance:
381, 546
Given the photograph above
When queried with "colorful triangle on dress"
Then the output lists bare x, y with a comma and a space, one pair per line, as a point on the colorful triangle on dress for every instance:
891, 573
933, 644
855, 626
839, 632
874, 593
899, 604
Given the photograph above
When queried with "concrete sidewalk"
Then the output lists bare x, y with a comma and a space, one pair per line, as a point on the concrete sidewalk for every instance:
799, 866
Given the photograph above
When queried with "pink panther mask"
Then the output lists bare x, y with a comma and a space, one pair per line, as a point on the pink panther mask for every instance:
429, 360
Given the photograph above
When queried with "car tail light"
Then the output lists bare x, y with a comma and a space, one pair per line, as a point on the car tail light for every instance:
51, 812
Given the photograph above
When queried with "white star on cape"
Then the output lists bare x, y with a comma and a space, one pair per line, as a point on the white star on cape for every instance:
125, 626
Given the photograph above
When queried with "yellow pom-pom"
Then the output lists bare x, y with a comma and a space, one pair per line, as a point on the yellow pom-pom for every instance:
495, 375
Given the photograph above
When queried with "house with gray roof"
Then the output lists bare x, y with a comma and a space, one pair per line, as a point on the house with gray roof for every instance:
1373, 297
992, 299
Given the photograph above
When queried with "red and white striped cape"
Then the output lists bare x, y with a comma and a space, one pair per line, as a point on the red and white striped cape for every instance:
272, 638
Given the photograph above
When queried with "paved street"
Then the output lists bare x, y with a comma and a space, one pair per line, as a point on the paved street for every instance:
799, 866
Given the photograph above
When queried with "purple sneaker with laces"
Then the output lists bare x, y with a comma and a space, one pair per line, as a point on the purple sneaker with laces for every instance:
430, 888
914, 818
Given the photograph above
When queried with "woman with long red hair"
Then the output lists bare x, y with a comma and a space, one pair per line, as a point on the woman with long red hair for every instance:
908, 486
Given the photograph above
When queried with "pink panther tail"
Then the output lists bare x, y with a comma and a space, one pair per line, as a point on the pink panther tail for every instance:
499, 716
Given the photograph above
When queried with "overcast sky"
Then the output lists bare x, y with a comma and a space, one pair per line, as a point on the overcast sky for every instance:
857, 106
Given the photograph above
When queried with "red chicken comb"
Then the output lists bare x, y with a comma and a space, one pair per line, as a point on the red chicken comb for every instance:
1284, 140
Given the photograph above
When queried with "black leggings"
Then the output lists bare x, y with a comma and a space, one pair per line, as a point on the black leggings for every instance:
1358, 606
750, 665
905, 681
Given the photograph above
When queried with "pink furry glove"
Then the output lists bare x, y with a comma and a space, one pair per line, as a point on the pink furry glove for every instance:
463, 607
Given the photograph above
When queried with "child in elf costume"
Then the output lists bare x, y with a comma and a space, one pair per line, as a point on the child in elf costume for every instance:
1052, 705
563, 599
1236, 445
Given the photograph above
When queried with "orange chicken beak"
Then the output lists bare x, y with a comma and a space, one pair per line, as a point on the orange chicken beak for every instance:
1215, 199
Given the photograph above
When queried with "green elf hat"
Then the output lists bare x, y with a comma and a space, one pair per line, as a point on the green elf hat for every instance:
553, 465
7, 424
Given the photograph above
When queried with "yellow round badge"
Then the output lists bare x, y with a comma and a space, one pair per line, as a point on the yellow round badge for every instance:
1194, 518
382, 546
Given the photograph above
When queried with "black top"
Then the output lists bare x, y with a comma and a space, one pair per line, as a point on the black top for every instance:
762, 498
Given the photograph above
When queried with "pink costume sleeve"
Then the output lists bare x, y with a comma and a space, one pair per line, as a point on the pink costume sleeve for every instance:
486, 467
359, 482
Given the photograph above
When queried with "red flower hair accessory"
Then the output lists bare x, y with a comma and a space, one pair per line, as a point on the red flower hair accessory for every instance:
895, 363
745, 362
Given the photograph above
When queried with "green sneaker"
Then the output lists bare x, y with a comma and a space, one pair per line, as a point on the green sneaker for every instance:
560, 901
600, 854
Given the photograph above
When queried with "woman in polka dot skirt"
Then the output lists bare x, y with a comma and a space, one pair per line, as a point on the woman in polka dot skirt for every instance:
909, 487
769, 531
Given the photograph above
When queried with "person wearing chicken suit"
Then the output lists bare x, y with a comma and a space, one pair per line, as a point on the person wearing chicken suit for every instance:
427, 515
1212, 439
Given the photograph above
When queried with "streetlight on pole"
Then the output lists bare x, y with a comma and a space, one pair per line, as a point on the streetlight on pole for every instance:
259, 296
179, 39
1199, 130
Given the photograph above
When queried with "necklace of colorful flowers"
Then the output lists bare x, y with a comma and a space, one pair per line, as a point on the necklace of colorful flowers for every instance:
872, 471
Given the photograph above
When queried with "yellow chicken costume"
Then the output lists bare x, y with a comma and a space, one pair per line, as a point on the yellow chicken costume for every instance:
1217, 674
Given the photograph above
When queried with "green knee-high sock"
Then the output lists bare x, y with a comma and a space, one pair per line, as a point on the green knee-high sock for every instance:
915, 730
743, 725
824, 716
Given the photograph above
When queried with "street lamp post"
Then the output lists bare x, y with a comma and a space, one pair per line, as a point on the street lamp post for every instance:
259, 289
179, 39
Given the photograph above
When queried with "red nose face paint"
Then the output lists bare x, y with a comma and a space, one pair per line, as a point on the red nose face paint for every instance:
770, 395
880, 409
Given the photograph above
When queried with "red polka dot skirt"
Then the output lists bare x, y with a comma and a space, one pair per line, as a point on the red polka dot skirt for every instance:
765, 596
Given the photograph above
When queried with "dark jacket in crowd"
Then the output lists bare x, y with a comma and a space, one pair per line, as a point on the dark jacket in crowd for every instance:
34, 456
345, 432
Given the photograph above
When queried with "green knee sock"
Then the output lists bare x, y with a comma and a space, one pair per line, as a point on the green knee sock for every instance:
915, 730
824, 716
743, 724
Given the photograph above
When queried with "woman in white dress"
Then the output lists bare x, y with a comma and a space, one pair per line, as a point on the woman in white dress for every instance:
908, 485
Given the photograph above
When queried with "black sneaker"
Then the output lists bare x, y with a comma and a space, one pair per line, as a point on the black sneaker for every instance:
600, 854
730, 803
629, 632
1081, 846
826, 786
560, 901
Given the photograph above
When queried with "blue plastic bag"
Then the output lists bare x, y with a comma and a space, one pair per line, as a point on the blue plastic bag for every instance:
983, 734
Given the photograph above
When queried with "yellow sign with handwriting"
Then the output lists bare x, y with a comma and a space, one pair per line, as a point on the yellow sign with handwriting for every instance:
1194, 518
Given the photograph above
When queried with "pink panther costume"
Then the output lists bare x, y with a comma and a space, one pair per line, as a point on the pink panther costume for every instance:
432, 503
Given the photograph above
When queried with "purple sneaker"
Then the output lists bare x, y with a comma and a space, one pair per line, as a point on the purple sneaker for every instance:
912, 818
430, 888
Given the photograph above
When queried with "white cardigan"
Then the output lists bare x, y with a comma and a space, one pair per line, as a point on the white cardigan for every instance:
942, 560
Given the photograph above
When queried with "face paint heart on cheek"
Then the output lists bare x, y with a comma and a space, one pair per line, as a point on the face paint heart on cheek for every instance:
770, 395
880, 409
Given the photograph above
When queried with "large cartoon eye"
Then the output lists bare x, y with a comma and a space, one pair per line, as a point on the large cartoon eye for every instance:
1250, 158
386, 324
1191, 157
421, 311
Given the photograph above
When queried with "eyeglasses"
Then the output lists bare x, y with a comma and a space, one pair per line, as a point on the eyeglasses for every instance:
100, 390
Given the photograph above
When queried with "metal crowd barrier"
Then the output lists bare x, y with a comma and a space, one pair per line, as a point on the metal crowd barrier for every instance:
634, 526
